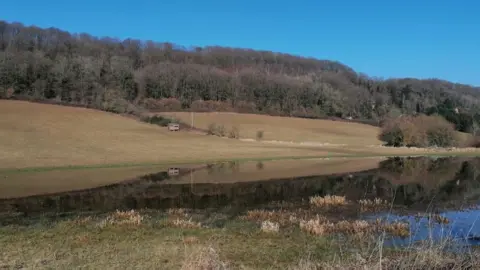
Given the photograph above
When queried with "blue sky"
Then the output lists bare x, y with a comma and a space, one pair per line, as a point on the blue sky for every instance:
407, 38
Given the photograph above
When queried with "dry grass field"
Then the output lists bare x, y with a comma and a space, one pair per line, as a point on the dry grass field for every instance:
34, 135
41, 135
287, 128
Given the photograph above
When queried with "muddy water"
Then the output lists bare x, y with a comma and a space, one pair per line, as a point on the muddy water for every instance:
446, 186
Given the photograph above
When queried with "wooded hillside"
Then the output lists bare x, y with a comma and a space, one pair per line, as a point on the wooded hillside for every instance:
121, 75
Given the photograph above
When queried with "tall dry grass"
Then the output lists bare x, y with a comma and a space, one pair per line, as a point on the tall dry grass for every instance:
369, 205
328, 200
205, 258
185, 224
323, 226
123, 218
427, 255
270, 227
317, 226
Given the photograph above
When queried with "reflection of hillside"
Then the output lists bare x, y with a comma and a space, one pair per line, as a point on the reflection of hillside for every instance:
426, 180
429, 173
25, 184
158, 195
456, 179
279, 169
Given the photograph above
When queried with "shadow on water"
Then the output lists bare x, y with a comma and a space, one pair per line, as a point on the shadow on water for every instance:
446, 186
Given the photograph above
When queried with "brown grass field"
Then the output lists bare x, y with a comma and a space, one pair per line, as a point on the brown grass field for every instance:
40, 135
289, 129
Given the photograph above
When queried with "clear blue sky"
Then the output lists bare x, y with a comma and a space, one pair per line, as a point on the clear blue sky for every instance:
383, 38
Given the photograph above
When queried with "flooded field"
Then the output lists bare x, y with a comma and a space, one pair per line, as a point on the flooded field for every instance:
405, 187
410, 200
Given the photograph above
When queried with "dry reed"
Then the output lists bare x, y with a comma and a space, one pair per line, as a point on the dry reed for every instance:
121, 218
176, 211
397, 229
368, 205
185, 224
317, 226
328, 200
321, 226
440, 219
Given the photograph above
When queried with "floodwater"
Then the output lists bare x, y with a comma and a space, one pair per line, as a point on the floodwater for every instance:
415, 186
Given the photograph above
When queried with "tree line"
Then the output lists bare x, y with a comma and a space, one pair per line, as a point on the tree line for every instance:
125, 75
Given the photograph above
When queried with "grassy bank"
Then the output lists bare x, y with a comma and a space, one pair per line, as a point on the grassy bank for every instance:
154, 243
180, 239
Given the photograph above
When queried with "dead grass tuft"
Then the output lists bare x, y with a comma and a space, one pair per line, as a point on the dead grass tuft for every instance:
282, 204
204, 259
432, 217
270, 227
317, 226
185, 224
353, 227
279, 216
121, 218
369, 205
321, 226
329, 200
176, 211
440, 219
397, 229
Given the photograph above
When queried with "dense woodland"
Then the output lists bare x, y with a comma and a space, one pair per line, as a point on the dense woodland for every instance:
125, 75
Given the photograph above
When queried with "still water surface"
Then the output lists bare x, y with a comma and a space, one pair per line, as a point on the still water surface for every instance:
446, 186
